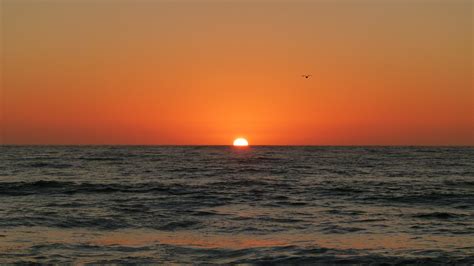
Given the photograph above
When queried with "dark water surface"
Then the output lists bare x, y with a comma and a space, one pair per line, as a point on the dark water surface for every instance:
228, 205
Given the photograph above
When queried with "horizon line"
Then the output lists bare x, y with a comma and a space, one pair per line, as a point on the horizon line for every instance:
260, 145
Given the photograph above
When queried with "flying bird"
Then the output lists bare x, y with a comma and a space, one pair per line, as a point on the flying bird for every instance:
306, 76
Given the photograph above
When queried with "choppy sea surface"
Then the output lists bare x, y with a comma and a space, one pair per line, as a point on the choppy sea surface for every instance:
278, 205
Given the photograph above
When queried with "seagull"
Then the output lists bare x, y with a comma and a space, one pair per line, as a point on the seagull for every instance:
306, 76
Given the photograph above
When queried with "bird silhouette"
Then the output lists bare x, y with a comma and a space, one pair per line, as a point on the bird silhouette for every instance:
306, 76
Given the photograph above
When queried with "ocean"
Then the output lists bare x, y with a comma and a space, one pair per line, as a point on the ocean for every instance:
221, 204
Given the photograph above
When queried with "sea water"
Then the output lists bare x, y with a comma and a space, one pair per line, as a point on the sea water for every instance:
220, 204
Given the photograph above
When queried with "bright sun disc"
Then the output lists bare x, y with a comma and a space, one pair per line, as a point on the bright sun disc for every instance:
241, 142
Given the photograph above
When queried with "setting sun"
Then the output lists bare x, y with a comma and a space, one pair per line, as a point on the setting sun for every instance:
241, 142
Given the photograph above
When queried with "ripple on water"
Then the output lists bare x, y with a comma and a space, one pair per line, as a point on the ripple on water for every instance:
280, 205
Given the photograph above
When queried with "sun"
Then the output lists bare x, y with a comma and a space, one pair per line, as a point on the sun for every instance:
241, 142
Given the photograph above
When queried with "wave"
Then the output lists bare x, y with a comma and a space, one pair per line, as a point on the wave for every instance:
439, 215
431, 198
101, 158
241, 183
330, 259
67, 187
171, 226
459, 183
47, 165
337, 229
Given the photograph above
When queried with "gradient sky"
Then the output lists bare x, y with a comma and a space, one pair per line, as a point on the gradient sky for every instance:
385, 72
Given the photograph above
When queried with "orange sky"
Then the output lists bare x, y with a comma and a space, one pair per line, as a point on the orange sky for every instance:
204, 72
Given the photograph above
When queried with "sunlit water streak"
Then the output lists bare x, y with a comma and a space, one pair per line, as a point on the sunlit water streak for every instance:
234, 205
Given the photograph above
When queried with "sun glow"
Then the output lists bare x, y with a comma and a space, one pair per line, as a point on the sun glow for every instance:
241, 142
